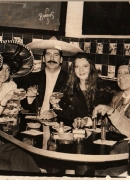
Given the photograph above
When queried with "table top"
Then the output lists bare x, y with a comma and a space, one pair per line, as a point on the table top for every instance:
79, 149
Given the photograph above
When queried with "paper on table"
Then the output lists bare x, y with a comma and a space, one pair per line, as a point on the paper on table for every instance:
128, 138
32, 132
105, 142
31, 117
50, 123
98, 130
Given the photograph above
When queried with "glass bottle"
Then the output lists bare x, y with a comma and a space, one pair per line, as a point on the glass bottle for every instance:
94, 123
61, 127
103, 130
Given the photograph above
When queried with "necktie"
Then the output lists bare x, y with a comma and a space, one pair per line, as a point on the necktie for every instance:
121, 105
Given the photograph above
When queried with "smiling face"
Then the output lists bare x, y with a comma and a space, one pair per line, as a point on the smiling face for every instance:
4, 73
82, 68
123, 78
52, 59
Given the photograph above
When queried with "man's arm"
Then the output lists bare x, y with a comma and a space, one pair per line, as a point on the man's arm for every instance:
121, 122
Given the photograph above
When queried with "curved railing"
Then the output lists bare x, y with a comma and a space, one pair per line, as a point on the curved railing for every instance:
64, 156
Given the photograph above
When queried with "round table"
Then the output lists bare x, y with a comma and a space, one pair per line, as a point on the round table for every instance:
83, 150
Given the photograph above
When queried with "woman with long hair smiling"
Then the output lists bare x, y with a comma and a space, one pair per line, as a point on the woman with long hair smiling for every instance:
81, 94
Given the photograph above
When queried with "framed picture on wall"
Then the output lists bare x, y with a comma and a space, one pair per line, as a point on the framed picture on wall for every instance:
42, 16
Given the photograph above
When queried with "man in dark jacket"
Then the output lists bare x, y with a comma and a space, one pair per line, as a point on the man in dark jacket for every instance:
52, 79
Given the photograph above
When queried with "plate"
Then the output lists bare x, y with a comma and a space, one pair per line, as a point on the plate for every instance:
66, 128
32, 132
6, 119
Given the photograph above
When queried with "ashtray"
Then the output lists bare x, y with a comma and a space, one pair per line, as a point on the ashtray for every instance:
33, 125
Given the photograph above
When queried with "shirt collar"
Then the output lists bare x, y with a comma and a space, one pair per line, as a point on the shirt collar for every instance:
54, 74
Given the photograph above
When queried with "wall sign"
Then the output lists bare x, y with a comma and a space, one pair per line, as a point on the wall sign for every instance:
32, 15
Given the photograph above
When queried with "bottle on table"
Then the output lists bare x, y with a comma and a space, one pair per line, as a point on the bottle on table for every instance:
94, 123
61, 127
103, 130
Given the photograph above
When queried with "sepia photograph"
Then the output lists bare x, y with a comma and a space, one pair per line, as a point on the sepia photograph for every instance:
64, 90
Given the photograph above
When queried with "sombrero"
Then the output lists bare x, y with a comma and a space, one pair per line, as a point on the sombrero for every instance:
18, 55
68, 49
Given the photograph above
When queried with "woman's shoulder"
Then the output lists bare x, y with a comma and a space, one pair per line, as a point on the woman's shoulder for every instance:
11, 84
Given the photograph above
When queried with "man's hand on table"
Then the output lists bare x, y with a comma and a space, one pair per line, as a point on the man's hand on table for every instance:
48, 114
103, 109
81, 122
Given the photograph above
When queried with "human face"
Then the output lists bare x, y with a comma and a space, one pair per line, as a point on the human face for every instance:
4, 73
52, 59
82, 68
123, 78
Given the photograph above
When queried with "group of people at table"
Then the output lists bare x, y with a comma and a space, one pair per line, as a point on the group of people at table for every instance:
81, 97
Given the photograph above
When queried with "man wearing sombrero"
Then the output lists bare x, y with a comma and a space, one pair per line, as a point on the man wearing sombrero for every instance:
53, 78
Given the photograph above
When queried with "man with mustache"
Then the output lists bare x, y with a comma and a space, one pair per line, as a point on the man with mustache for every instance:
118, 114
52, 79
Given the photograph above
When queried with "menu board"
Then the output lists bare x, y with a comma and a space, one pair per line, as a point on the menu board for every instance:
32, 15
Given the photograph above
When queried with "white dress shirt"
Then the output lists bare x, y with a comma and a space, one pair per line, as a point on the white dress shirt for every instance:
51, 79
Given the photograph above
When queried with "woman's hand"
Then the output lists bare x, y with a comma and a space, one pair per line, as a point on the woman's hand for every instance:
81, 122
103, 109
48, 114
31, 93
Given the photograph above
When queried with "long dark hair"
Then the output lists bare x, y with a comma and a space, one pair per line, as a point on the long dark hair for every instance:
91, 81
8, 63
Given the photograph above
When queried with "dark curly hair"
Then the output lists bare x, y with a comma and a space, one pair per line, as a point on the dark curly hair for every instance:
91, 81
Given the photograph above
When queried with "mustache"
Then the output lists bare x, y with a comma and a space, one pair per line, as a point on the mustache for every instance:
51, 61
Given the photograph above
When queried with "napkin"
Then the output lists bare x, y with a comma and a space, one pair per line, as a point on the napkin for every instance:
31, 117
98, 130
128, 138
47, 123
105, 142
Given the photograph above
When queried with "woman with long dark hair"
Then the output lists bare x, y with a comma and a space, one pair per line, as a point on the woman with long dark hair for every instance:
80, 90
81, 93
82, 83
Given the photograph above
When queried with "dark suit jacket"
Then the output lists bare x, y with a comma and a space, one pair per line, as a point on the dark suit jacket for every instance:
40, 80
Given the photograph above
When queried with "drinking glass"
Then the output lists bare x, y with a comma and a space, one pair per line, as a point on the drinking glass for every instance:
56, 96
